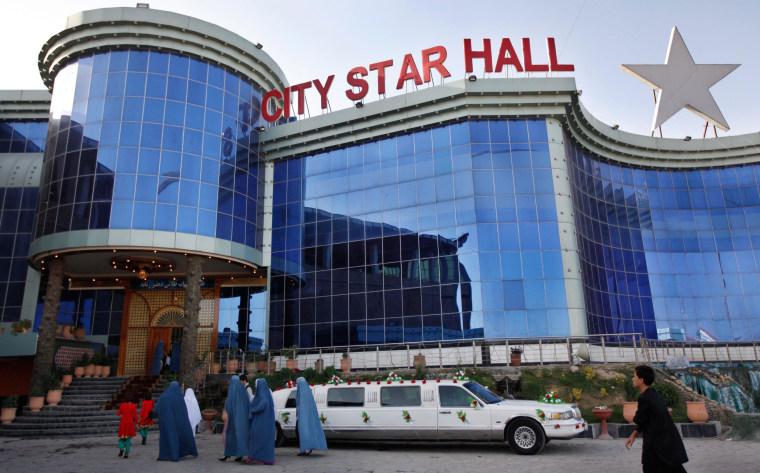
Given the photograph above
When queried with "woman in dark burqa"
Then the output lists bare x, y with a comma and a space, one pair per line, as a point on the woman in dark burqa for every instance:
310, 433
262, 431
236, 427
158, 356
176, 438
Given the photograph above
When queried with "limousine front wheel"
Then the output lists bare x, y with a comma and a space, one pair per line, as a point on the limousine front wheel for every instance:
525, 437
279, 436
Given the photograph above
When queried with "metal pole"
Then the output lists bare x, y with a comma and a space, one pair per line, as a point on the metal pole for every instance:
604, 350
540, 353
509, 354
728, 352
704, 357
635, 355
377, 358
440, 355
269, 360
569, 352
474, 355
408, 360
754, 347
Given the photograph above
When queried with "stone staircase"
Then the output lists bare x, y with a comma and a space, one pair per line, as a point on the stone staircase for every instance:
79, 413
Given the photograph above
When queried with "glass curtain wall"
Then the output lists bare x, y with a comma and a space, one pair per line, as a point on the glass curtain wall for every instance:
153, 141
242, 318
673, 254
22, 136
447, 233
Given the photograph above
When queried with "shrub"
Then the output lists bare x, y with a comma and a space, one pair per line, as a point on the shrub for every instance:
668, 393
52, 382
589, 372
576, 395
10, 402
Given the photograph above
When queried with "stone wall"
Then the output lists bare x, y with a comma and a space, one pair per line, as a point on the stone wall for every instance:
715, 410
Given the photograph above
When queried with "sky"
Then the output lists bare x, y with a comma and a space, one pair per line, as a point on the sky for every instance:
315, 39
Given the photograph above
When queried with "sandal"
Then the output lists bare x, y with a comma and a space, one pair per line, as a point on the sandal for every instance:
238, 459
223, 459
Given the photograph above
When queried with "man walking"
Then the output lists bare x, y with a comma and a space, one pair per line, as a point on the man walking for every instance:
663, 449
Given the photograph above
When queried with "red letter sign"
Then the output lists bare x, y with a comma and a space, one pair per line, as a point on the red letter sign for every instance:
553, 58
408, 71
428, 63
469, 54
323, 90
357, 82
380, 68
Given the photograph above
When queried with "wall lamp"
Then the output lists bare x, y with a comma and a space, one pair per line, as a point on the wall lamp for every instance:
262, 129
259, 46
687, 138
359, 105
615, 126
472, 78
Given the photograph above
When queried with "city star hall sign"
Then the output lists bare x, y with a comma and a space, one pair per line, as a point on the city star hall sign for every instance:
360, 79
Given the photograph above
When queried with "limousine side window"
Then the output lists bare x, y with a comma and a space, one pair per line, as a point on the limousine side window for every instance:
291, 402
400, 396
452, 396
345, 397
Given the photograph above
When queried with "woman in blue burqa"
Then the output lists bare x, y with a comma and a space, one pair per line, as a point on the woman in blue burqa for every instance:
158, 355
262, 431
236, 428
176, 438
310, 433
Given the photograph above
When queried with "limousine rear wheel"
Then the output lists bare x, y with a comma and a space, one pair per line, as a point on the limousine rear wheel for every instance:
525, 437
279, 438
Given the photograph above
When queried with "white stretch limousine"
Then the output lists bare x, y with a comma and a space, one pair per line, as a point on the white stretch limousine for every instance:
430, 410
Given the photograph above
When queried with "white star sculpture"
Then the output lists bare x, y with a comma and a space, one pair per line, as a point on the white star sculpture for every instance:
682, 84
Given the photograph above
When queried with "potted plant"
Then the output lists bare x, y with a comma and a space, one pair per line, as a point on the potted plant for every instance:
67, 331
54, 391
80, 364
696, 411
22, 326
419, 362
67, 375
319, 365
97, 360
106, 361
264, 365
36, 399
250, 362
291, 353
603, 413
232, 363
515, 358
89, 369
208, 415
216, 366
10, 404
79, 332
345, 362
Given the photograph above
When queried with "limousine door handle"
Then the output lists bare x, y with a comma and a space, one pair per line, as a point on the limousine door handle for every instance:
445, 412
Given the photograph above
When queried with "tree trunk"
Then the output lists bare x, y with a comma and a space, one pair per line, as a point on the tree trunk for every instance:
190, 328
43, 359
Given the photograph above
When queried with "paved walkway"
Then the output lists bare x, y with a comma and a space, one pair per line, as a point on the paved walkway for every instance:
99, 454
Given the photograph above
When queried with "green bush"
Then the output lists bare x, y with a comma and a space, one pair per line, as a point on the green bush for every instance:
668, 393
532, 387
631, 393
10, 402
52, 382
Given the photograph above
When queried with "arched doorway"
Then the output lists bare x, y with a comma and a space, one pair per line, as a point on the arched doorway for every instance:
166, 325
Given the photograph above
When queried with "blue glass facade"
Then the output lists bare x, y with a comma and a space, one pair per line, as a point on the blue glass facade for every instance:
151, 140
445, 233
22, 136
16, 223
673, 254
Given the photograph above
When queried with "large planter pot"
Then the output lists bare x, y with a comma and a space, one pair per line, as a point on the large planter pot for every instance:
36, 403
80, 333
319, 365
291, 364
250, 367
78, 371
267, 367
419, 362
629, 410
345, 364
58, 330
106, 371
89, 370
697, 412
66, 379
7, 415
208, 415
54, 397
216, 368
68, 331
603, 415
515, 359
232, 366
98, 371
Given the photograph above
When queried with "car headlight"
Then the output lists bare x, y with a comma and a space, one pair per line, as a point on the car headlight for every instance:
563, 415
577, 412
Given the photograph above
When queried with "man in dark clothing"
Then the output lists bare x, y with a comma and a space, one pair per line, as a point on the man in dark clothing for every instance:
663, 449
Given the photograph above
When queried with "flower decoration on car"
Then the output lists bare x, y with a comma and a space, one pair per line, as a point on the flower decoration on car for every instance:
407, 417
556, 426
322, 418
365, 417
335, 380
462, 416
290, 384
551, 398
541, 414
461, 376
473, 402
393, 376
285, 417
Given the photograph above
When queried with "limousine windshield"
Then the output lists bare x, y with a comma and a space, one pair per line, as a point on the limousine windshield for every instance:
484, 394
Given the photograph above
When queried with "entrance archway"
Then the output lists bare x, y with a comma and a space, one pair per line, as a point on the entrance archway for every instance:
166, 325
